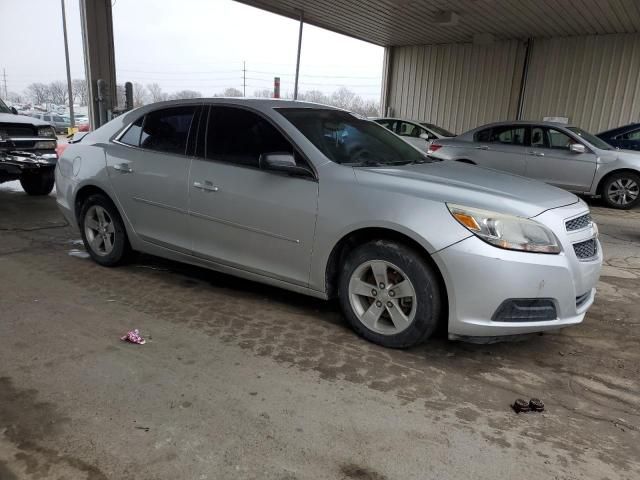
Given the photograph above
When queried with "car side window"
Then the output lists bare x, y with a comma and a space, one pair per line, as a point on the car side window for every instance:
388, 124
167, 130
406, 129
633, 135
482, 135
132, 135
559, 140
539, 137
47, 118
238, 136
508, 135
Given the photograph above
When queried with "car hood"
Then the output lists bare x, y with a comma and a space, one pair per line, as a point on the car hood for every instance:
469, 185
12, 118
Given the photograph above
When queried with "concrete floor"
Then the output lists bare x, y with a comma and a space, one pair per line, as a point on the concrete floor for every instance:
242, 381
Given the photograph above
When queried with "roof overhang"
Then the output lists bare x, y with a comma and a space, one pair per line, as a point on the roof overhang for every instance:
427, 22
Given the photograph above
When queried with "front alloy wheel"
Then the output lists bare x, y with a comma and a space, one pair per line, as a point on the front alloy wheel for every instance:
390, 294
622, 190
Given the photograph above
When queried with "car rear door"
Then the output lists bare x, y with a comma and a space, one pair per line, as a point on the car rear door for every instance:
550, 160
245, 217
501, 147
148, 167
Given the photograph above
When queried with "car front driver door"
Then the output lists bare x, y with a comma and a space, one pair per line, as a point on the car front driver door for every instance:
243, 216
550, 160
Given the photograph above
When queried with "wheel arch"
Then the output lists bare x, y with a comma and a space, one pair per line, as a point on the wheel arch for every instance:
605, 177
361, 236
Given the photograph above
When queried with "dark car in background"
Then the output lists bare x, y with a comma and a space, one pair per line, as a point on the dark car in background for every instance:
27, 151
626, 137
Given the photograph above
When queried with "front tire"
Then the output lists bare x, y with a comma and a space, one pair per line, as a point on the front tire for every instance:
389, 294
621, 190
40, 183
103, 231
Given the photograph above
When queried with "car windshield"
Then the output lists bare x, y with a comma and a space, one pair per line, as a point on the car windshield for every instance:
350, 140
439, 130
592, 139
4, 108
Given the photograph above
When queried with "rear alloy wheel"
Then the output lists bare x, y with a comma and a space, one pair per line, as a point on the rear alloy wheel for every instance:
622, 190
390, 294
103, 232
40, 183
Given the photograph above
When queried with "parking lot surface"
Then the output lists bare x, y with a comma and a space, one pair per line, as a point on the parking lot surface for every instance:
239, 380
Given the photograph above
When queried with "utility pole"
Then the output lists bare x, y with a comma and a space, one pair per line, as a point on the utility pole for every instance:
295, 87
66, 54
4, 75
244, 78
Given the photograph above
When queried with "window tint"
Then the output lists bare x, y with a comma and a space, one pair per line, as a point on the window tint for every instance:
239, 136
559, 140
482, 135
167, 130
539, 137
132, 136
508, 135
386, 123
406, 129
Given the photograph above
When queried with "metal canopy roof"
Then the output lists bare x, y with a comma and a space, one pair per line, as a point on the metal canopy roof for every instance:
422, 22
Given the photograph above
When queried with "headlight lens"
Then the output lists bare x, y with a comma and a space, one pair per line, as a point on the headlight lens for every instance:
506, 231
45, 145
46, 132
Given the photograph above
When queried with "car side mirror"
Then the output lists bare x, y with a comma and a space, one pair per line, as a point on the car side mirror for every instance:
282, 162
14, 111
425, 136
577, 148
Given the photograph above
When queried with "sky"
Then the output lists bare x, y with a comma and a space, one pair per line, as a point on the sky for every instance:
188, 44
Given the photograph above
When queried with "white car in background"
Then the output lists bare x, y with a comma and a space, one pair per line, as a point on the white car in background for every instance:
418, 134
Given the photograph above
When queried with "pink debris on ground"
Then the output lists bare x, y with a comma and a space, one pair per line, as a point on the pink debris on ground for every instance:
133, 336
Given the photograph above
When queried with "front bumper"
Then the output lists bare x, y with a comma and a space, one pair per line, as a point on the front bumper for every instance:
480, 277
16, 163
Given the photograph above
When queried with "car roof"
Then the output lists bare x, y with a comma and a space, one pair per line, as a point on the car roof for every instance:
258, 103
399, 119
621, 129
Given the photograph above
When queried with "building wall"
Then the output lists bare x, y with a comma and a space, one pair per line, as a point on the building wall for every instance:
456, 86
594, 80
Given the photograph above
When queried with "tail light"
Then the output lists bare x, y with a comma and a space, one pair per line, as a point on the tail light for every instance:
434, 147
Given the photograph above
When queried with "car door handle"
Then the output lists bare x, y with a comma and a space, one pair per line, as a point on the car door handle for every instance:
123, 168
482, 147
206, 186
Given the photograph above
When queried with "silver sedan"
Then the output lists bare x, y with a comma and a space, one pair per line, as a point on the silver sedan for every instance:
558, 154
323, 202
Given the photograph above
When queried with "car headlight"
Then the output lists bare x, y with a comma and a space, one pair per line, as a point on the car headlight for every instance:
46, 132
506, 231
49, 145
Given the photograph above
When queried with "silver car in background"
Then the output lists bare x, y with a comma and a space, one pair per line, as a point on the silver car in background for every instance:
320, 201
558, 154
418, 134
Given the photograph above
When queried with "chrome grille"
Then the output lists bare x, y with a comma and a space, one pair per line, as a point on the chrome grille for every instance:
578, 222
586, 249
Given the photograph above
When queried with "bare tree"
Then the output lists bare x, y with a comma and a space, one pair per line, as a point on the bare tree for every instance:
58, 93
38, 92
80, 91
315, 96
342, 98
15, 97
156, 93
232, 92
185, 94
264, 93
140, 95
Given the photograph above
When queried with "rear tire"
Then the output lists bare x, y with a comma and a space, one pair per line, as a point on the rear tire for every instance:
621, 190
389, 294
103, 231
40, 183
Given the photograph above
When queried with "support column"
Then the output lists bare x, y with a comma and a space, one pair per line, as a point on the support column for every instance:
387, 63
99, 59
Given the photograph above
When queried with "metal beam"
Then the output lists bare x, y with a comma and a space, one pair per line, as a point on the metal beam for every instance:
99, 58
